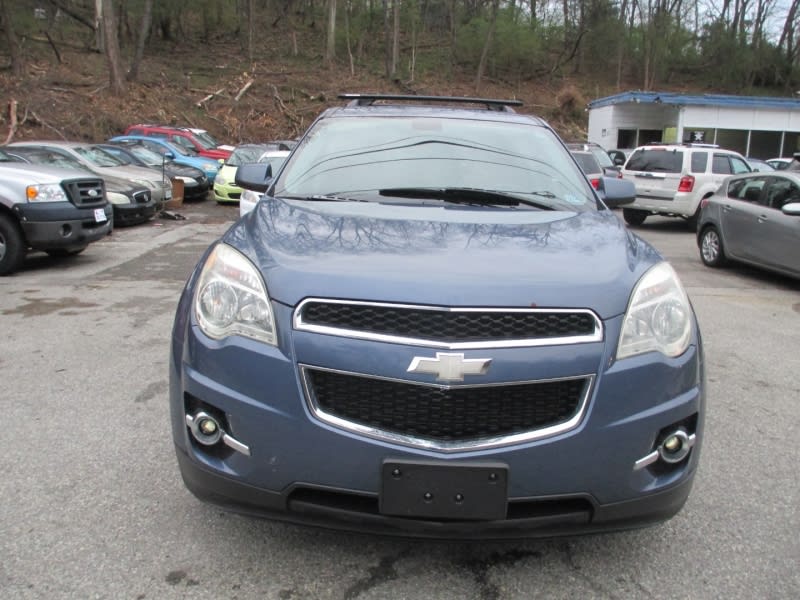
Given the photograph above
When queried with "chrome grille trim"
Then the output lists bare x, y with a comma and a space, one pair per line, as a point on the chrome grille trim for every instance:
301, 325
437, 445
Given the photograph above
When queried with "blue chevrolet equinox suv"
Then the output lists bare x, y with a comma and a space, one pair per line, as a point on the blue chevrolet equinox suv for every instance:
431, 325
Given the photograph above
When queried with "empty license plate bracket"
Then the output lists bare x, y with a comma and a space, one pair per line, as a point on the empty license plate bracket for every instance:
432, 490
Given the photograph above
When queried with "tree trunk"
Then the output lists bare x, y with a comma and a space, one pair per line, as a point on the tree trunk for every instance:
387, 39
330, 48
11, 38
111, 45
144, 34
98, 24
251, 28
395, 37
487, 45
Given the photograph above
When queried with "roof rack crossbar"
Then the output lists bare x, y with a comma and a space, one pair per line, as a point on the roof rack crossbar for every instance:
490, 103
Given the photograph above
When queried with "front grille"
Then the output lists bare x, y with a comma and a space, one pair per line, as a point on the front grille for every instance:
142, 197
448, 325
415, 411
85, 192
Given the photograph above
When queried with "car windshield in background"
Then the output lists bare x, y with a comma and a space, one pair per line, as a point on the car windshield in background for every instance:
205, 139
368, 157
146, 155
47, 157
98, 156
649, 159
245, 154
5, 157
587, 162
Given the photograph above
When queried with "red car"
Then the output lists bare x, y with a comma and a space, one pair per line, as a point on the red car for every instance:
197, 141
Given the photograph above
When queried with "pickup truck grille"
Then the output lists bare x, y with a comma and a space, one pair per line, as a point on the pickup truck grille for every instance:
448, 327
85, 192
446, 418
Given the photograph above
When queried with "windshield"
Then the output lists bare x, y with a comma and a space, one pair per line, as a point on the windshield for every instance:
5, 157
98, 157
205, 139
48, 157
145, 155
356, 158
246, 154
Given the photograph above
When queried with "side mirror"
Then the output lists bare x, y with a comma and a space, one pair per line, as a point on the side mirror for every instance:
254, 176
616, 192
792, 209
168, 155
221, 161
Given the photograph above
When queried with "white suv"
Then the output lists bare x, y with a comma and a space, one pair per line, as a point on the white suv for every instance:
672, 179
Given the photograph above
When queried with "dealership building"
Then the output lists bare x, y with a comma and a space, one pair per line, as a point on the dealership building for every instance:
762, 127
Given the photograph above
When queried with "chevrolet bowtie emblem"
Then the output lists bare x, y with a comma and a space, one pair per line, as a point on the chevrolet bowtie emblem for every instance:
449, 367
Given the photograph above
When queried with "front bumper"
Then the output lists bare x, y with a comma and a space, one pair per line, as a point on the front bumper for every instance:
57, 225
134, 213
227, 192
342, 509
302, 469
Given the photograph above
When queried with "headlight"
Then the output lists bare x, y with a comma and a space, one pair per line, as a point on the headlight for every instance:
220, 179
231, 299
185, 179
117, 198
46, 192
659, 316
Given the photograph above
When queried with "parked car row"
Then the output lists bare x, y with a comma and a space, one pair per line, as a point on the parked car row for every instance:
137, 172
743, 209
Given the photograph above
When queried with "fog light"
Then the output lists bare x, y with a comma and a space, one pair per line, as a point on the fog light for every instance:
207, 426
676, 446
204, 428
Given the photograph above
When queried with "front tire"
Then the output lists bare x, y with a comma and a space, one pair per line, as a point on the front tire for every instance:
712, 253
12, 246
633, 217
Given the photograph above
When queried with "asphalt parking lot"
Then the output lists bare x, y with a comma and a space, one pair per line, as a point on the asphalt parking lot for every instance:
93, 505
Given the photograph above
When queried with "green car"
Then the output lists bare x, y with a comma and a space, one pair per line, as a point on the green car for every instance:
225, 190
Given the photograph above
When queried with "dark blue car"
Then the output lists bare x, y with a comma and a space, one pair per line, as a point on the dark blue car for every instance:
433, 326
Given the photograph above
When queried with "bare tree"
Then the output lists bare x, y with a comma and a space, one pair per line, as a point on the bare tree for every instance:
330, 46
488, 43
111, 45
144, 33
11, 38
395, 38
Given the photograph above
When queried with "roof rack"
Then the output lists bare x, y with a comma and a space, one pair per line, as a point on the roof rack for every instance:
490, 103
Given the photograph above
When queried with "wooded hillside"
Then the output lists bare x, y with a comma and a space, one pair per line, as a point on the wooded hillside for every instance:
251, 70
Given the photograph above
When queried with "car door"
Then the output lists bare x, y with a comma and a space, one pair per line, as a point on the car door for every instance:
778, 242
739, 215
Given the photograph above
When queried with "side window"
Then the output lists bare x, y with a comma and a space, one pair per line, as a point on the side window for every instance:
747, 189
721, 165
739, 166
781, 191
699, 162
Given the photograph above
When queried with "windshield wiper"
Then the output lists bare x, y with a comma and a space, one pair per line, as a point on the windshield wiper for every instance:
466, 196
319, 198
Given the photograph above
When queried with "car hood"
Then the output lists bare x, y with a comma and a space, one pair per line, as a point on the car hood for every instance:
443, 256
29, 174
176, 170
133, 173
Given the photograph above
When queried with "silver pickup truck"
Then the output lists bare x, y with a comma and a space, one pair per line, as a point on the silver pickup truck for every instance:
46, 208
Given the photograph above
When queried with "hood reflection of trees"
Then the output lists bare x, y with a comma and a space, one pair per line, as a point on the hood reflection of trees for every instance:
302, 230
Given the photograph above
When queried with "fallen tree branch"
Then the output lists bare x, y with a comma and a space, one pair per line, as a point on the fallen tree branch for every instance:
53, 46
210, 96
243, 90
188, 119
12, 117
38, 120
